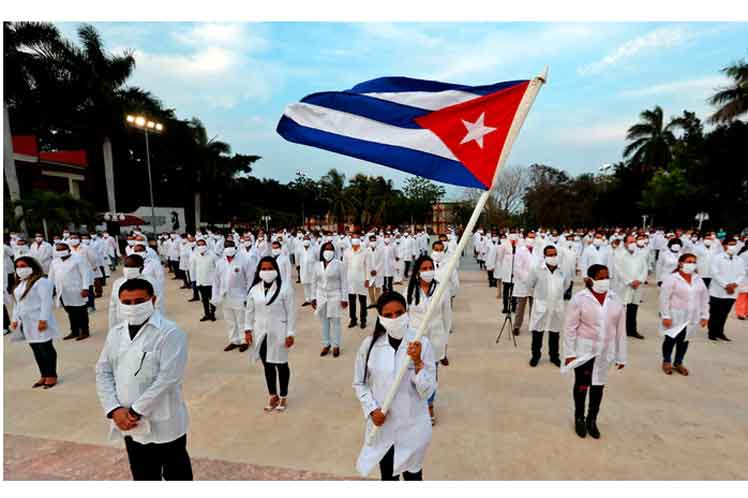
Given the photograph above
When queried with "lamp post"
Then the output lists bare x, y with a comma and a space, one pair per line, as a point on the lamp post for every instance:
266, 219
147, 125
701, 218
300, 176
644, 221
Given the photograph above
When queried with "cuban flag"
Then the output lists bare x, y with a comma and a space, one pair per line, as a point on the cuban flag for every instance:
446, 132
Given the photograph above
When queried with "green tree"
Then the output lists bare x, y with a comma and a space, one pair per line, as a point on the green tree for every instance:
733, 100
421, 194
332, 187
651, 140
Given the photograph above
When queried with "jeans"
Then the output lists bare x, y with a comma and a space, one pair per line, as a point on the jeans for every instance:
157, 461
631, 311
284, 373
681, 346
387, 464
582, 384
78, 317
719, 308
327, 325
206, 292
46, 358
352, 307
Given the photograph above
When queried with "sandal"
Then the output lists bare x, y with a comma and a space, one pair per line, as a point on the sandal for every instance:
667, 368
272, 403
50, 386
39, 383
681, 370
282, 404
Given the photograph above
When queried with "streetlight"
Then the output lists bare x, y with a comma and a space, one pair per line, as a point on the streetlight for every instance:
301, 176
266, 219
147, 125
701, 218
644, 221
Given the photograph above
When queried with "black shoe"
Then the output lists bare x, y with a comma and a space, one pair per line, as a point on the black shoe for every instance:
580, 427
193, 299
371, 306
352, 324
636, 335
212, 318
713, 338
185, 287
306, 303
205, 319
534, 361
592, 427
723, 337
363, 325
505, 311
556, 362
515, 332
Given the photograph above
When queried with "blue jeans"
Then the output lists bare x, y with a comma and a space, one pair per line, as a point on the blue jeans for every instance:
327, 325
680, 343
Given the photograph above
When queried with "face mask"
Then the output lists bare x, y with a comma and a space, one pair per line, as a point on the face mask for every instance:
268, 276
62, 254
86, 242
598, 242
551, 260
328, 255
130, 273
275, 252
230, 251
56, 241
39, 239
732, 249
675, 247
387, 241
136, 314
66, 234
24, 272
372, 244
307, 243
247, 244
641, 243
172, 236
356, 242
427, 276
601, 286
75, 242
707, 242
130, 243
437, 256
395, 327
689, 268
202, 249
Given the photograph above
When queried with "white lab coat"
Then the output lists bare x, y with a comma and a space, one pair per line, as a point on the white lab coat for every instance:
595, 331
355, 267
158, 354
408, 424
441, 320
389, 255
114, 316
70, 276
203, 267
667, 262
284, 265
330, 288
726, 270
43, 253
683, 303
548, 298
231, 282
593, 255
276, 321
524, 263
307, 261
375, 263
630, 267
37, 305
507, 266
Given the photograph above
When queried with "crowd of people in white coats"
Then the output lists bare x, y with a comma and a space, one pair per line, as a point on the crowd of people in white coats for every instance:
250, 276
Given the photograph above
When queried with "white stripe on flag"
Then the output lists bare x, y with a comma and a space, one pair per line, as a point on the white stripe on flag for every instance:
359, 127
431, 101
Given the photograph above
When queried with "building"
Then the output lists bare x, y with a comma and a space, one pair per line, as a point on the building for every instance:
443, 216
61, 171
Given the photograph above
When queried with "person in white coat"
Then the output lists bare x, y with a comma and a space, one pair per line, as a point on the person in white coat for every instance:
330, 290
399, 447
597, 253
526, 260
278, 252
33, 320
307, 258
203, 267
547, 283
231, 283
729, 274
667, 262
132, 268
402, 255
153, 270
42, 251
355, 260
509, 259
684, 306
421, 289
630, 274
139, 378
270, 324
389, 262
72, 277
594, 339
374, 269
705, 250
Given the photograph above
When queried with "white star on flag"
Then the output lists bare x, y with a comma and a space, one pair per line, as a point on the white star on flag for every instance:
476, 131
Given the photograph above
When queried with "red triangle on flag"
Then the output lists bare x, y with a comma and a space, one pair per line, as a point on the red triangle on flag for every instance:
476, 130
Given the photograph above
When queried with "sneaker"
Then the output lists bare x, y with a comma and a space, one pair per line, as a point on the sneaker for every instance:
515, 332
444, 361
205, 319
636, 335
82, 337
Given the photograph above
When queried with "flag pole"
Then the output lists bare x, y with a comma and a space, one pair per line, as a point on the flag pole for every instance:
519, 118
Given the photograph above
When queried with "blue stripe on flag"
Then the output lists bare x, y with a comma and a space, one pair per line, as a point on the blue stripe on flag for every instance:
407, 160
402, 84
369, 107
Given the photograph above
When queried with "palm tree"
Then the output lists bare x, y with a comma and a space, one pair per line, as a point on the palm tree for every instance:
206, 167
651, 140
334, 192
734, 99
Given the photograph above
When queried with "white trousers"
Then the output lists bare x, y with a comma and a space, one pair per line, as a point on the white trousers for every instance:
308, 293
235, 321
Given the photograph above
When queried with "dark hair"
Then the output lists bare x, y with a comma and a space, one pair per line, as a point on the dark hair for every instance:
322, 250
34, 265
379, 330
278, 281
136, 284
135, 258
414, 289
549, 246
592, 271
433, 244
683, 257
728, 240
229, 243
672, 242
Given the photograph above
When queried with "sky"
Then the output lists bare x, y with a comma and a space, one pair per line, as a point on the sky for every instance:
238, 78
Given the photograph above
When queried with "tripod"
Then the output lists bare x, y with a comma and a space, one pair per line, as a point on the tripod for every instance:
508, 300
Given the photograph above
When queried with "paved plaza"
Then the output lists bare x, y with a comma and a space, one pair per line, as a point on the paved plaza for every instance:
497, 418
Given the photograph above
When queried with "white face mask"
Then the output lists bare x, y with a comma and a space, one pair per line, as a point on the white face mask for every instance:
268, 276
732, 249
395, 327
427, 276
437, 256
202, 249
631, 247
689, 268
86, 242
131, 243
598, 242
65, 234
601, 286
551, 260
675, 248
386, 241
39, 239
24, 272
707, 242
136, 314
306, 243
130, 273
328, 255
372, 244
75, 242
62, 254
229, 251
641, 243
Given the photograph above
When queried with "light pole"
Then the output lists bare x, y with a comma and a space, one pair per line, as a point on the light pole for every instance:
701, 218
147, 124
300, 177
266, 219
644, 221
